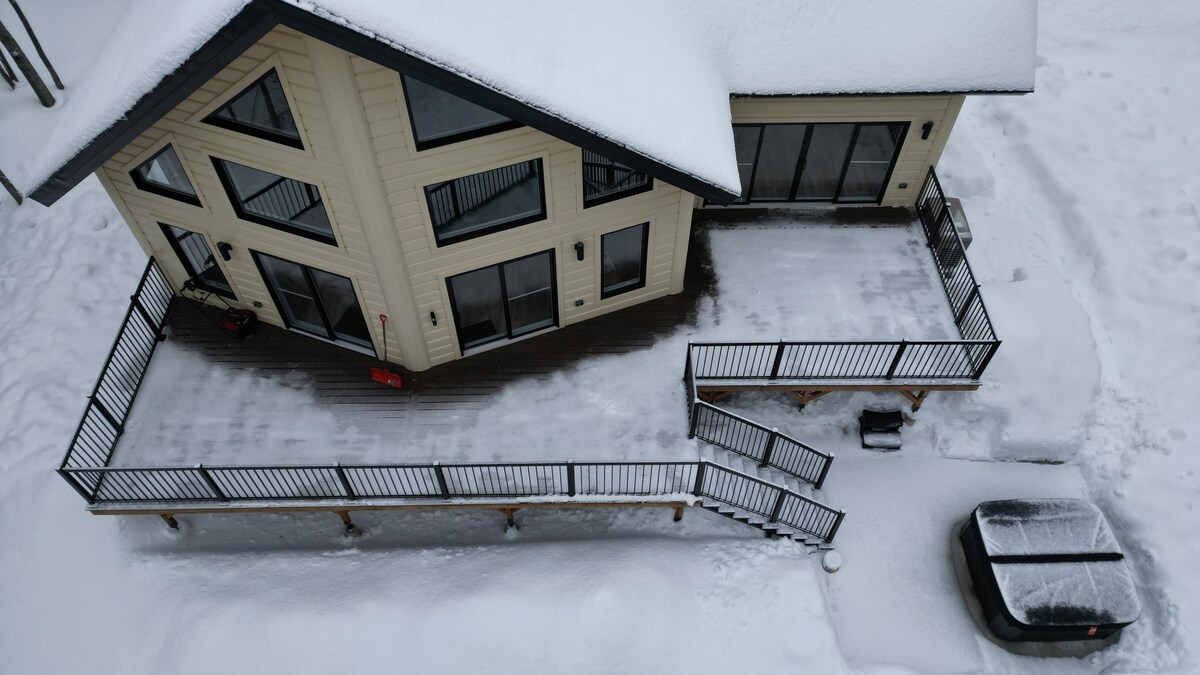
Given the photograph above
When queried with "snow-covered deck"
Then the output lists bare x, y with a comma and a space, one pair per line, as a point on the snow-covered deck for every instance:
607, 389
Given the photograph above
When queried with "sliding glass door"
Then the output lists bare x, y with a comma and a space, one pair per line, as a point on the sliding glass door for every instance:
504, 301
314, 301
836, 162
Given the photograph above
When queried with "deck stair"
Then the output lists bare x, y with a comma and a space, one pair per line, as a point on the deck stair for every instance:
771, 529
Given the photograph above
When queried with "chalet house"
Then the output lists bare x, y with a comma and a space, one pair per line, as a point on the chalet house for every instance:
484, 172
325, 163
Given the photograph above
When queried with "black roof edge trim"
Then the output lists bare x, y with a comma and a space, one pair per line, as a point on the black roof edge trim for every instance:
253, 22
352, 41
257, 19
892, 94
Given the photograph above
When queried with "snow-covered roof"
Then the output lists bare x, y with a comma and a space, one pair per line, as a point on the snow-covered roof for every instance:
652, 77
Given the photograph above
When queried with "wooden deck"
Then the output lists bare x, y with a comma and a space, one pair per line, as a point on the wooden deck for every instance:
338, 377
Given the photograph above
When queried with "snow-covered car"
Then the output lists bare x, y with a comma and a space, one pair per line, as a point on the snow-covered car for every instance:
1046, 570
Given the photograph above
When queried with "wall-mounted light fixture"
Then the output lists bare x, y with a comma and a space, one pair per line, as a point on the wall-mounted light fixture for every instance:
433, 318
925, 130
224, 248
579, 250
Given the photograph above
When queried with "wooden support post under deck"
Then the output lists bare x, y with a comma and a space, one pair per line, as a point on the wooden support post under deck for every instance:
917, 398
351, 529
170, 521
678, 513
508, 514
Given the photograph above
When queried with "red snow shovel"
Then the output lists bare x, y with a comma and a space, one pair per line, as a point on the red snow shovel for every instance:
383, 375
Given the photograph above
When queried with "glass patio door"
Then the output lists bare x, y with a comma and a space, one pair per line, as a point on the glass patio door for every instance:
504, 301
827, 162
314, 301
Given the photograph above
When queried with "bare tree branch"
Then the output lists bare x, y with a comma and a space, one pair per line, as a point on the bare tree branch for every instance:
6, 71
36, 45
12, 189
31, 75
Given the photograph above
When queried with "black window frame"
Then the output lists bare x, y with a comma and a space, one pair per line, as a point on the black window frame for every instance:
508, 336
162, 190
606, 294
612, 196
256, 131
747, 199
232, 194
542, 214
421, 146
319, 305
193, 274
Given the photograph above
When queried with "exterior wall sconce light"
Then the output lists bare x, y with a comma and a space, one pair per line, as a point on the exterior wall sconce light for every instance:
579, 250
224, 248
433, 317
925, 129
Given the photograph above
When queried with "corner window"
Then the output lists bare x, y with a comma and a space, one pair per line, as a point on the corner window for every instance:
261, 111
163, 175
486, 202
623, 260
197, 260
282, 203
605, 180
440, 118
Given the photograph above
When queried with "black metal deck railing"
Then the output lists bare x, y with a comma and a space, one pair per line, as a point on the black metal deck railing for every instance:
86, 464
112, 398
750, 439
345, 484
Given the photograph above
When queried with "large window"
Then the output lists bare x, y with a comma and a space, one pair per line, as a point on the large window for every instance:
836, 162
486, 202
163, 175
197, 259
623, 260
262, 111
605, 180
440, 118
283, 203
504, 301
314, 301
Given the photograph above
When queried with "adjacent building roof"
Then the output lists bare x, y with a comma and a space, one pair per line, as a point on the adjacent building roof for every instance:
647, 83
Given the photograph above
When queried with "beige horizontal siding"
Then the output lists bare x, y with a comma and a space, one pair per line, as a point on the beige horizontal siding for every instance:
916, 155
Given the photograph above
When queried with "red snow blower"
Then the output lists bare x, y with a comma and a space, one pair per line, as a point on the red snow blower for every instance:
383, 375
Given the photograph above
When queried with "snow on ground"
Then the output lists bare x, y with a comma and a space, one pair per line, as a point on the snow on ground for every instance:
1084, 192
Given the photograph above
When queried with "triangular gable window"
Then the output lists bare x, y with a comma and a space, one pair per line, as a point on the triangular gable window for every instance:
261, 110
441, 118
163, 175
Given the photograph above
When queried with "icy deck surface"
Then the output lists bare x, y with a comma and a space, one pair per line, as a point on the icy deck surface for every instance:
776, 279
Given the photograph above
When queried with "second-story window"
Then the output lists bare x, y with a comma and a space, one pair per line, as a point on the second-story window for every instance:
275, 201
262, 111
163, 175
605, 180
486, 202
441, 118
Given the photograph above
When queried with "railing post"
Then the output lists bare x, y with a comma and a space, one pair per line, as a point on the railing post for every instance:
896, 361
694, 412
137, 304
341, 474
699, 477
75, 484
778, 360
987, 358
570, 478
212, 484
824, 472
766, 458
836, 524
778, 506
108, 416
962, 311
441, 479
